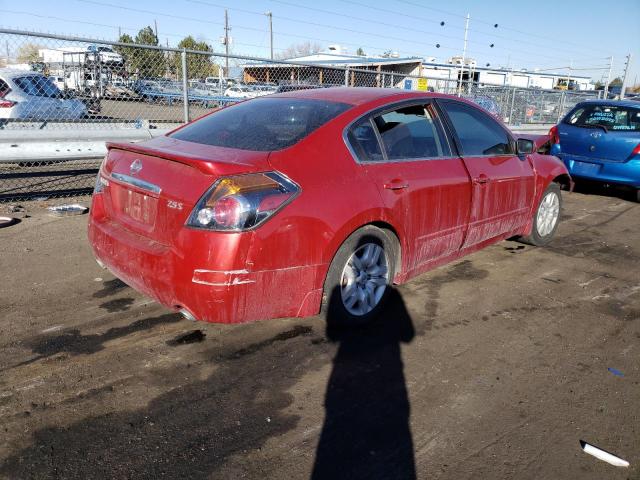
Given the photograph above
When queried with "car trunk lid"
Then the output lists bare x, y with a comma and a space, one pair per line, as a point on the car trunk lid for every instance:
597, 144
153, 186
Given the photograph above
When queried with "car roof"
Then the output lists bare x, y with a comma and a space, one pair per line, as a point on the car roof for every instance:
613, 103
11, 73
352, 95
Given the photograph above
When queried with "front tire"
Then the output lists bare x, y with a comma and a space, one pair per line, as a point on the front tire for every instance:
546, 218
359, 277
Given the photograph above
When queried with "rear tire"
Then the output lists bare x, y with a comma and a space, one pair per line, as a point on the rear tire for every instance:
359, 277
546, 217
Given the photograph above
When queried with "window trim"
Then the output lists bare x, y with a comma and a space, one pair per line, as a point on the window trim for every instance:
452, 131
426, 101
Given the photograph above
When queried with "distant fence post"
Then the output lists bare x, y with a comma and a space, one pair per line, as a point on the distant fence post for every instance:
185, 86
513, 101
346, 77
561, 106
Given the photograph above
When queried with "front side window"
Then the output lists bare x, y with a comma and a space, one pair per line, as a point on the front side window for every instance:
410, 132
611, 117
262, 124
478, 133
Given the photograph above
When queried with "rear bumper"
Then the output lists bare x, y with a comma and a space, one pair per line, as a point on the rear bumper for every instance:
620, 173
226, 292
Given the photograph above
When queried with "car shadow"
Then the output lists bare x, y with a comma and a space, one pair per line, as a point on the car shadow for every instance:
605, 190
366, 431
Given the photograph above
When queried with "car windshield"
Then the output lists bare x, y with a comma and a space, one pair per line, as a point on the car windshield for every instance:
263, 124
611, 117
38, 86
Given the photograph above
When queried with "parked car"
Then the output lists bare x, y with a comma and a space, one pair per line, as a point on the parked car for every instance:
32, 96
600, 140
488, 103
318, 199
240, 91
105, 55
119, 90
292, 87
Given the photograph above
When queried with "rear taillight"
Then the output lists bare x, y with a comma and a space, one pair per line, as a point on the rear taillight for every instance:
242, 202
101, 182
636, 151
553, 135
6, 103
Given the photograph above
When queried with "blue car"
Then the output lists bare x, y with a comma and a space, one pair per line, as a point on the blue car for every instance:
600, 141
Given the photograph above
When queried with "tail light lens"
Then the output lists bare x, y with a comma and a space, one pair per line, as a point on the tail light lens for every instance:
101, 182
553, 134
6, 103
636, 151
242, 202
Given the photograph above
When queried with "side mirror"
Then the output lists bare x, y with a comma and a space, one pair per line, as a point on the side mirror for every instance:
555, 150
525, 146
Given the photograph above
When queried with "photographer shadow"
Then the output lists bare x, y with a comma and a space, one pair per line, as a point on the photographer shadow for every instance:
366, 431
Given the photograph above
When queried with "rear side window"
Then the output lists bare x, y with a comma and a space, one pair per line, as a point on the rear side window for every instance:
612, 117
263, 124
362, 137
38, 86
479, 134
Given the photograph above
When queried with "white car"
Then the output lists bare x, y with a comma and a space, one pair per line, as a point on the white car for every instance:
240, 91
105, 55
32, 96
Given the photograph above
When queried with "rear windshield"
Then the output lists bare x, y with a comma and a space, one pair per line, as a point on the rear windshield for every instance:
612, 117
263, 124
38, 86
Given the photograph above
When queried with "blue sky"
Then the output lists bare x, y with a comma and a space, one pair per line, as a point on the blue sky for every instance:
543, 34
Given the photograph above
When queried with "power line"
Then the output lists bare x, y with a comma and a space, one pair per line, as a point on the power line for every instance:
199, 20
132, 29
493, 24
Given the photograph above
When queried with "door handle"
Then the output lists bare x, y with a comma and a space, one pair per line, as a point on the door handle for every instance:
481, 179
396, 185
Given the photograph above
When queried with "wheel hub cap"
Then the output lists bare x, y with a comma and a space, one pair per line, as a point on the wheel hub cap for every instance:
548, 213
364, 279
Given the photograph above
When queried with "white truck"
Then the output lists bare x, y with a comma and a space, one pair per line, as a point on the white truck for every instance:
81, 56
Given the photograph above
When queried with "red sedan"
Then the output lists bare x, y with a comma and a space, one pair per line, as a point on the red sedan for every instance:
314, 200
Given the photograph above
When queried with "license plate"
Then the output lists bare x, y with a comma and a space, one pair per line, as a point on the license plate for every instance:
584, 168
140, 207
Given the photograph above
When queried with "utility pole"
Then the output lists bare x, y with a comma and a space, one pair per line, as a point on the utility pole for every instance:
606, 85
624, 77
270, 15
7, 45
119, 33
155, 24
464, 53
226, 43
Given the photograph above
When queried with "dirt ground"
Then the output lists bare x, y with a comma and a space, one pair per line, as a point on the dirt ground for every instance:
493, 367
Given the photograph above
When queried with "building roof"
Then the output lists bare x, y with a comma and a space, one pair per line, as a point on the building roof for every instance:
332, 60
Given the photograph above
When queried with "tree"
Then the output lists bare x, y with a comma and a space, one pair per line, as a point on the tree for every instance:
360, 52
126, 52
142, 61
299, 50
616, 82
198, 66
28, 53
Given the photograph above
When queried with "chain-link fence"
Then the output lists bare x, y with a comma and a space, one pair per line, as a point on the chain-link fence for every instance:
61, 97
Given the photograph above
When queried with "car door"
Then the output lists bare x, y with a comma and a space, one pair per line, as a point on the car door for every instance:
427, 190
502, 182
